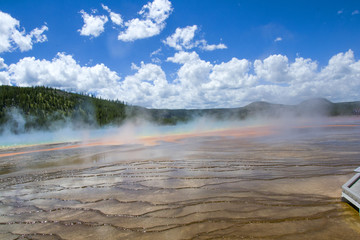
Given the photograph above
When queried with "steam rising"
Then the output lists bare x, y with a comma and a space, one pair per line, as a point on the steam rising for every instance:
141, 131
142, 125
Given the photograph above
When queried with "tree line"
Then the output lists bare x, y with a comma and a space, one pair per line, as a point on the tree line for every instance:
44, 108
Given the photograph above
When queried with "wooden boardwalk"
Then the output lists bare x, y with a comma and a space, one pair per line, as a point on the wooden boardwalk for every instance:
351, 190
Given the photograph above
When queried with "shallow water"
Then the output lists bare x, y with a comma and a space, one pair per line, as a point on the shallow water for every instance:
282, 186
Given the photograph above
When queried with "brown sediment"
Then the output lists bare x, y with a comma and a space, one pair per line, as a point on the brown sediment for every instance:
234, 132
211, 185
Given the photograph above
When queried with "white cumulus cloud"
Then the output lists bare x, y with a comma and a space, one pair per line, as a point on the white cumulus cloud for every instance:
152, 21
3, 64
62, 72
183, 39
232, 74
93, 25
115, 17
273, 69
4, 75
205, 85
11, 37
211, 47
156, 52
149, 82
194, 71
184, 57
277, 69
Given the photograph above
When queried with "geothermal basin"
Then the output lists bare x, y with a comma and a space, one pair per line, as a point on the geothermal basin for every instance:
262, 182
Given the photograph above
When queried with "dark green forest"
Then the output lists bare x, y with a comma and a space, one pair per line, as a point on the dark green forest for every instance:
24, 109
41, 107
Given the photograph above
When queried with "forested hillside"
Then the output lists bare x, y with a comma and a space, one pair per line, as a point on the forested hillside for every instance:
25, 108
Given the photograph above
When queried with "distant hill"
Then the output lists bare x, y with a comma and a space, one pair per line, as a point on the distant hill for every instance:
41, 108
309, 108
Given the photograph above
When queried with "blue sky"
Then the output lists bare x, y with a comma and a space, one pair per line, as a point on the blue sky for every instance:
184, 54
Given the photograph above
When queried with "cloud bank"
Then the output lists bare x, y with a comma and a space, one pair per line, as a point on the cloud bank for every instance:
61, 72
197, 83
